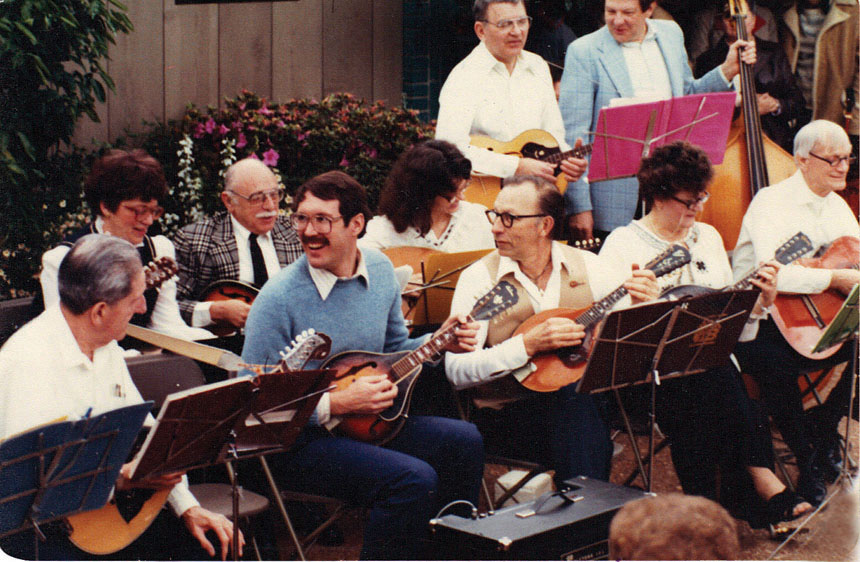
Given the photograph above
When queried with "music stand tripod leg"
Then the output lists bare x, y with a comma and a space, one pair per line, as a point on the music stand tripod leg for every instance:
282, 508
635, 446
845, 474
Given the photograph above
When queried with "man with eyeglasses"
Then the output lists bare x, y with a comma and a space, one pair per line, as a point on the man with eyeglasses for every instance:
249, 242
125, 191
562, 429
352, 295
636, 58
499, 91
807, 201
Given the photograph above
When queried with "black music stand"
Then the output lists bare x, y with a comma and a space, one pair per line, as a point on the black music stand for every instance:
678, 338
64, 468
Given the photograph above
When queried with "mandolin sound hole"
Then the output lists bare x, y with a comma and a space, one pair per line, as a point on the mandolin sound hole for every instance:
571, 356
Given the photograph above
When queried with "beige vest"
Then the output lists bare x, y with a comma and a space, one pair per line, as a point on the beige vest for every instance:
575, 293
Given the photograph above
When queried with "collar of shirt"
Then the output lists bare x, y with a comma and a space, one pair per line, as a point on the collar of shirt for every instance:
242, 233
324, 280
100, 228
650, 35
63, 341
803, 194
507, 265
486, 62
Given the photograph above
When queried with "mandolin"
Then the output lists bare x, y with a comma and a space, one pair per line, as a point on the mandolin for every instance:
796, 246
534, 143
802, 319
227, 289
402, 368
561, 367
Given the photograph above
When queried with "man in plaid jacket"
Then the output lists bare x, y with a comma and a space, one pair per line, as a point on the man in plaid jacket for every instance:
249, 242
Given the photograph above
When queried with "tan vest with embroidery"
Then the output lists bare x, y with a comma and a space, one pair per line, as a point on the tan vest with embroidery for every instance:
575, 293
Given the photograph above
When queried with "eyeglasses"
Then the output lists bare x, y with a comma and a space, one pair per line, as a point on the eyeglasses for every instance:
690, 204
258, 198
322, 223
140, 211
836, 161
507, 25
507, 218
458, 195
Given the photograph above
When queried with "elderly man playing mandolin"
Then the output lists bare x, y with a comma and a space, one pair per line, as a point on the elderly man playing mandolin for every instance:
562, 429
778, 355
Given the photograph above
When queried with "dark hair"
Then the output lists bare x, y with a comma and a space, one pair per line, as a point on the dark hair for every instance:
121, 176
479, 8
98, 268
337, 185
673, 527
420, 174
674, 167
550, 200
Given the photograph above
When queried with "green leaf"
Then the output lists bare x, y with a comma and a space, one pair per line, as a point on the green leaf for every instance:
26, 32
25, 143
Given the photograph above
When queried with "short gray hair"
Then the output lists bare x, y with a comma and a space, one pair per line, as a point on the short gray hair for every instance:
479, 8
550, 200
236, 168
98, 268
820, 131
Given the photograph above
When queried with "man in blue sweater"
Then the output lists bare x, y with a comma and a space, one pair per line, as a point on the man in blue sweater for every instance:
353, 296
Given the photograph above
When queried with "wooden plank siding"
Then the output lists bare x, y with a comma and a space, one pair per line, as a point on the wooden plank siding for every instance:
281, 50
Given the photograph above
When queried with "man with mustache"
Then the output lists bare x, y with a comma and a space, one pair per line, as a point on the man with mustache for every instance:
500, 91
250, 242
352, 295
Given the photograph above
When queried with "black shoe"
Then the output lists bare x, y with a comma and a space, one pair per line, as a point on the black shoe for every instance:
811, 487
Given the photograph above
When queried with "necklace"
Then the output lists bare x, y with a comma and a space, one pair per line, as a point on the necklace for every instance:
536, 279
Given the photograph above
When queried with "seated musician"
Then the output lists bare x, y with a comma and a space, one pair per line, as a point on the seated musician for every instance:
101, 286
249, 242
351, 294
422, 205
500, 91
125, 191
809, 201
562, 429
717, 433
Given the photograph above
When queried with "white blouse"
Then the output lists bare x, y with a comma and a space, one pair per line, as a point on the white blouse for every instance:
468, 230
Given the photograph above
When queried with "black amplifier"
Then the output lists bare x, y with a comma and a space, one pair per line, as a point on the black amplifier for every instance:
565, 525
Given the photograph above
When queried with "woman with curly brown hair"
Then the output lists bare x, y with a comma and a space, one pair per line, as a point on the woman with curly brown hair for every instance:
422, 203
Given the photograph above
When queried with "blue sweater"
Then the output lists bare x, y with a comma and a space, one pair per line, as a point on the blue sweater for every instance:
356, 315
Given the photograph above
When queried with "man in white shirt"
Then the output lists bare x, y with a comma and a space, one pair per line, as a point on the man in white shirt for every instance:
807, 201
500, 91
224, 246
631, 57
562, 429
101, 285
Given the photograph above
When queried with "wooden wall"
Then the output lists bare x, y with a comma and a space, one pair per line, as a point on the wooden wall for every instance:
280, 50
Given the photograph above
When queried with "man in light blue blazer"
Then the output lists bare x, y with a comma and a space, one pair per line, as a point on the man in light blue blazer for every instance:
630, 57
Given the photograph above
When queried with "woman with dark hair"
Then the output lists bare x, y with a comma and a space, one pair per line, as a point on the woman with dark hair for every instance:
717, 433
125, 192
422, 203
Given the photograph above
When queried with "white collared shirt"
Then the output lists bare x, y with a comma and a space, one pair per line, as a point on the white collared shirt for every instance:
243, 246
647, 68
777, 213
40, 387
480, 97
464, 369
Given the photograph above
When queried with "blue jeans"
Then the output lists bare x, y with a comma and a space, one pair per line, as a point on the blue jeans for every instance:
431, 461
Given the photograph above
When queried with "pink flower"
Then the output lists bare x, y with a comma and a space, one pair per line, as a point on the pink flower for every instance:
265, 111
343, 162
242, 141
199, 130
222, 130
254, 156
270, 157
241, 106
210, 125
237, 125
371, 152
301, 136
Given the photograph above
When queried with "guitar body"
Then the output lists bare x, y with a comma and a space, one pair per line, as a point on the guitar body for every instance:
105, 531
802, 319
561, 367
227, 289
379, 428
534, 143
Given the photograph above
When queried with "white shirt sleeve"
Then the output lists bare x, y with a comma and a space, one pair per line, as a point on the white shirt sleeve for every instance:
50, 269
165, 314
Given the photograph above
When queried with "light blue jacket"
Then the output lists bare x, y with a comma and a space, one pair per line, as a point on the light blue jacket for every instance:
594, 73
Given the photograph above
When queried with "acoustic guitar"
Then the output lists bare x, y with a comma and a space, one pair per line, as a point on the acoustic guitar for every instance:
402, 368
130, 513
802, 319
561, 367
534, 143
227, 289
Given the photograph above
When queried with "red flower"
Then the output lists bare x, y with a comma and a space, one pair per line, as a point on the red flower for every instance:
270, 157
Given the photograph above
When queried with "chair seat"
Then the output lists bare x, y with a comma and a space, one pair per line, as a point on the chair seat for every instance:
219, 499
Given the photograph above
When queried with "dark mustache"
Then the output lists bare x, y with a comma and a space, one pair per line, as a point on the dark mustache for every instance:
312, 239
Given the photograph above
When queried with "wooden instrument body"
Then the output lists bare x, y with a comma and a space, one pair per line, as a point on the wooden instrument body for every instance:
351, 366
802, 319
563, 366
228, 289
730, 186
105, 531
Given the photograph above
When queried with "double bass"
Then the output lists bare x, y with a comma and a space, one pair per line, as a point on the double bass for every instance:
752, 160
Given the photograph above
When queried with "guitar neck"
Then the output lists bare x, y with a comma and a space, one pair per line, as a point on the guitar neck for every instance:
424, 353
578, 152
599, 309
197, 351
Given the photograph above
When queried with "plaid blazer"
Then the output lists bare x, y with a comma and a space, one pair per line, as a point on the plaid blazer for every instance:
206, 252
